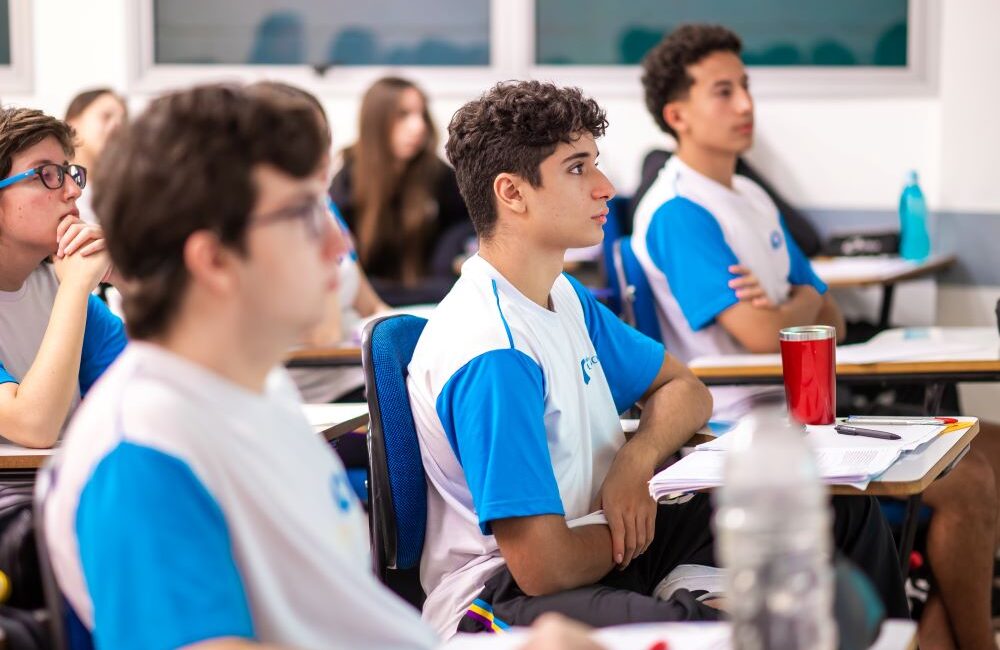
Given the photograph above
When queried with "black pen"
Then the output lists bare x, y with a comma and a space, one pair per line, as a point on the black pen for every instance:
848, 430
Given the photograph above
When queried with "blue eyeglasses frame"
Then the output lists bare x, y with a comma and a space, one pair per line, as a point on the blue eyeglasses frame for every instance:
36, 171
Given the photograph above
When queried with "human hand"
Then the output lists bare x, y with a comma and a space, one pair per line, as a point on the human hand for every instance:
624, 497
73, 234
81, 258
748, 288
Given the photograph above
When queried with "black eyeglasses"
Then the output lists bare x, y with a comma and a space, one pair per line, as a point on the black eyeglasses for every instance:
52, 175
314, 214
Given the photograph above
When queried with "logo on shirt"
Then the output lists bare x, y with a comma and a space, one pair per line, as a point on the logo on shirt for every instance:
776, 239
586, 364
342, 492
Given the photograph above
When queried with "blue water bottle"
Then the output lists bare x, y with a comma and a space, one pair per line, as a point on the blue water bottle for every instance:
915, 244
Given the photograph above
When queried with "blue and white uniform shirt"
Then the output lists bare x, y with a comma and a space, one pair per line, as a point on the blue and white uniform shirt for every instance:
517, 412
688, 231
187, 508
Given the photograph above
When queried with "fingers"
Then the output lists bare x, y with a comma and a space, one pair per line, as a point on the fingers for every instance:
750, 293
641, 535
749, 280
63, 225
650, 527
95, 246
79, 234
79, 237
762, 303
617, 525
69, 234
629, 541
739, 269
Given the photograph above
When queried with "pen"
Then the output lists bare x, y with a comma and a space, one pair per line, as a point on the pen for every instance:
877, 419
847, 430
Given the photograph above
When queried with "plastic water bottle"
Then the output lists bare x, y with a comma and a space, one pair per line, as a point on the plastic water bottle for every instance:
915, 244
772, 527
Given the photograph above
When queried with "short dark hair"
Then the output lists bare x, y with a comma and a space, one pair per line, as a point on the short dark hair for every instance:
21, 128
295, 92
512, 128
665, 76
183, 166
85, 98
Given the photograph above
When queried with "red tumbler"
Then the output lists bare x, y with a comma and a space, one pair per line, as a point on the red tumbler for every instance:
809, 365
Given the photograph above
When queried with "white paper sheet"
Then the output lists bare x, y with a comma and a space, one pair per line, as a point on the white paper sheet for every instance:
703, 469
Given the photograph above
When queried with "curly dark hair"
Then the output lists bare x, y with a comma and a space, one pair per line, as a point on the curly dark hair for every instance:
512, 128
185, 165
665, 76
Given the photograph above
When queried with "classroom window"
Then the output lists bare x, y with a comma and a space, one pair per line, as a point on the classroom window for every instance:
4, 32
840, 33
296, 32
453, 48
15, 47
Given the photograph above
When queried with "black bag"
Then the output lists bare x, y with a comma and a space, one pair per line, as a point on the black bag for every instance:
18, 553
24, 629
23, 619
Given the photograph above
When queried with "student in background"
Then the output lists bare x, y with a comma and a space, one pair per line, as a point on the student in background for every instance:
347, 304
55, 337
517, 383
94, 115
727, 277
399, 199
194, 505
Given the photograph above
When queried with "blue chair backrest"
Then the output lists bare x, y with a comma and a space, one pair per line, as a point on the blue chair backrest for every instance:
638, 304
617, 211
398, 487
66, 630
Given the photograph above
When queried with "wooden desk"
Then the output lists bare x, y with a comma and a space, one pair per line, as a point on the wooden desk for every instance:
326, 357
914, 472
909, 476
856, 272
334, 420
934, 365
330, 420
15, 457
906, 479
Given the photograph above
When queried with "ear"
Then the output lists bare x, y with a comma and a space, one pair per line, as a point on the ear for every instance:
507, 189
673, 115
210, 264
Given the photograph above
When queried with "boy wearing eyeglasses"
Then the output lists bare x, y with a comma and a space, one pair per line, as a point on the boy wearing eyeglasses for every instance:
192, 505
56, 338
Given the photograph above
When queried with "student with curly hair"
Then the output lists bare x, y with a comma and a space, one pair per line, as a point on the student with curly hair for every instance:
517, 383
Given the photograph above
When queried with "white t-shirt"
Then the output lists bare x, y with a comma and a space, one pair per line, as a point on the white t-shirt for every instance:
188, 508
24, 317
689, 229
517, 413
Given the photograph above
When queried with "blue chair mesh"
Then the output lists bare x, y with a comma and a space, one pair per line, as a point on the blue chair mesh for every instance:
392, 343
643, 305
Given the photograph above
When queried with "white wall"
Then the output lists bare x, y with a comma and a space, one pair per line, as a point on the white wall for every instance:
821, 152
